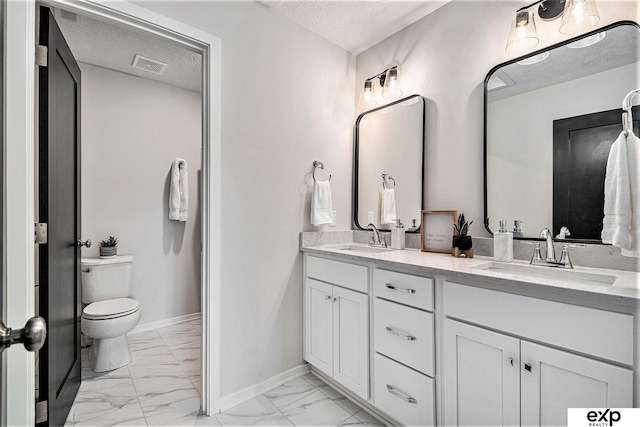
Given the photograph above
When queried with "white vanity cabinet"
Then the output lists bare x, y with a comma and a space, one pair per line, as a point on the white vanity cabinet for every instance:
403, 335
494, 378
336, 316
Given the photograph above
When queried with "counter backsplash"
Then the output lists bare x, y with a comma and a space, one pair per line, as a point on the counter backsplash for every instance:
597, 256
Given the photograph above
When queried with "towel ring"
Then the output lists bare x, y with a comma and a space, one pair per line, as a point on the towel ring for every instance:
318, 164
627, 118
385, 178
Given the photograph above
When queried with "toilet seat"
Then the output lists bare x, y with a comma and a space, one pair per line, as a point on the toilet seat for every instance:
110, 309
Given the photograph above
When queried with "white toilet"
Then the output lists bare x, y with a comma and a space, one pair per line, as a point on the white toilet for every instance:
110, 314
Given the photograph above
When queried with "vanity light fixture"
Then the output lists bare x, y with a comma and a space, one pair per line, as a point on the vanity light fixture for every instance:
389, 82
577, 16
534, 59
587, 41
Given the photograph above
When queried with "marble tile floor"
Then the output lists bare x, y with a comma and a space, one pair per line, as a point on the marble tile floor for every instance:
161, 386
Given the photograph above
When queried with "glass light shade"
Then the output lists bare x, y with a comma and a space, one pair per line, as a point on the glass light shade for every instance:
392, 87
523, 35
367, 96
534, 59
587, 41
579, 16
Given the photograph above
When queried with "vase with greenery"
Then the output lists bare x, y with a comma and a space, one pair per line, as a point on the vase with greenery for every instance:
460, 238
109, 247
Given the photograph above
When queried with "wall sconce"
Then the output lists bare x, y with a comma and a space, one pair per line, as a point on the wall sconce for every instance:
389, 82
578, 16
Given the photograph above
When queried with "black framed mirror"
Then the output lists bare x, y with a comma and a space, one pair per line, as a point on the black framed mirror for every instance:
550, 119
389, 165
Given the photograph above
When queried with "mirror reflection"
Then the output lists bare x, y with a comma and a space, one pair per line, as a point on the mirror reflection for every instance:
388, 165
551, 119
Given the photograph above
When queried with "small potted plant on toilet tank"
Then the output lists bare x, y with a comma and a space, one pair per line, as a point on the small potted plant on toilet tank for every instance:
109, 247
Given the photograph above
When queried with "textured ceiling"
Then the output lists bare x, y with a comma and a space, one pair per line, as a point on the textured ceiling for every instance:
110, 46
354, 25
621, 46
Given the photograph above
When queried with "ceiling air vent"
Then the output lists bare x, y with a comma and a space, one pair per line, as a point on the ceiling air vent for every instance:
148, 64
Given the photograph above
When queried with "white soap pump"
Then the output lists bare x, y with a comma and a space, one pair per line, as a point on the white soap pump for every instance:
397, 236
503, 244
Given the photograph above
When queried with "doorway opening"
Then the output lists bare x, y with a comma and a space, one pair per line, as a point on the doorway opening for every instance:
133, 128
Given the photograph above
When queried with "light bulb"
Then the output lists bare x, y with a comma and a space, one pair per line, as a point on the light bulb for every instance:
523, 35
392, 87
368, 96
579, 16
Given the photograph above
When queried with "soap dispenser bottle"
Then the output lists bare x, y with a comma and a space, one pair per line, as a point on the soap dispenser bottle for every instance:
503, 244
397, 236
517, 230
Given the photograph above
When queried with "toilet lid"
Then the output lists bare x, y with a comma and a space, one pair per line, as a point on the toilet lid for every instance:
110, 308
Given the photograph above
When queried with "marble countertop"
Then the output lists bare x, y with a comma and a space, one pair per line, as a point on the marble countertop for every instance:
624, 291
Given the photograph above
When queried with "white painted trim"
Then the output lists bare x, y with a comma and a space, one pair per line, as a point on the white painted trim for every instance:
19, 202
150, 326
255, 390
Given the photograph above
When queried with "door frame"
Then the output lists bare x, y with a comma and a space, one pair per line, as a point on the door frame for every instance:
20, 183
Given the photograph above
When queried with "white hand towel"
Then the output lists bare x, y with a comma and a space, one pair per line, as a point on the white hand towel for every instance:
388, 206
621, 224
321, 205
179, 191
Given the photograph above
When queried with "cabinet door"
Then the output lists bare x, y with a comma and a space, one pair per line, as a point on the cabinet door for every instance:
554, 380
481, 377
318, 325
351, 340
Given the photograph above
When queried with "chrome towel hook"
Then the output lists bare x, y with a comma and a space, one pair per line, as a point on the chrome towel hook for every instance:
627, 118
318, 164
385, 178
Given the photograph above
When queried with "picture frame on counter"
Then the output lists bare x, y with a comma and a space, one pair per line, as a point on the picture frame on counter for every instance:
436, 230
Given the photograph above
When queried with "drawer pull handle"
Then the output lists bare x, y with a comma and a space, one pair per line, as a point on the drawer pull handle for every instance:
398, 334
396, 393
405, 290
528, 367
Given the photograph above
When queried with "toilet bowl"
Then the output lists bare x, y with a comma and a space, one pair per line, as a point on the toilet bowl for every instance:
110, 313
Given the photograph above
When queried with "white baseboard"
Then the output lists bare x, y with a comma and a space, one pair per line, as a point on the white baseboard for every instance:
150, 326
255, 390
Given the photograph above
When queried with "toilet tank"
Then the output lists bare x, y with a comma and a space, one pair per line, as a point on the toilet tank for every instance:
106, 278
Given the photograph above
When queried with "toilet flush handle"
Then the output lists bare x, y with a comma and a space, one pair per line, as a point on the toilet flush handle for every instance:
86, 243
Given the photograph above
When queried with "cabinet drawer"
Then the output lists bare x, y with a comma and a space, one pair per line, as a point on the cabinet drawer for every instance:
338, 273
587, 330
411, 290
403, 393
404, 334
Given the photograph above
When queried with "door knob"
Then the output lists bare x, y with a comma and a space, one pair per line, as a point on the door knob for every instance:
32, 336
86, 243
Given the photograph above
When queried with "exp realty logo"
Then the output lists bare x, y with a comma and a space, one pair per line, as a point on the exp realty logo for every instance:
603, 417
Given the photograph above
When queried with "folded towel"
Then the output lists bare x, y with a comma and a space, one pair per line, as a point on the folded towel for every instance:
621, 223
388, 206
179, 191
321, 206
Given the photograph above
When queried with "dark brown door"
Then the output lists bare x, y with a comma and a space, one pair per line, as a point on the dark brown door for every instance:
59, 207
581, 147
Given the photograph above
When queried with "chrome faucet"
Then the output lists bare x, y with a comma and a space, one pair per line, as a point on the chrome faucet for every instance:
375, 237
550, 260
551, 252
564, 232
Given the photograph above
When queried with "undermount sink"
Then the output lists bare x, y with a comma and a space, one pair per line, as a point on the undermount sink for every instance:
565, 275
363, 248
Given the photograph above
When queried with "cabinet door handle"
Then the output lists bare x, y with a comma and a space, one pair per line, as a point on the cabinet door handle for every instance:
398, 334
405, 290
328, 297
508, 361
528, 367
396, 393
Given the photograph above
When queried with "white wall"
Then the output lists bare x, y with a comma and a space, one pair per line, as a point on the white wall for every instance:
132, 129
287, 100
445, 57
521, 129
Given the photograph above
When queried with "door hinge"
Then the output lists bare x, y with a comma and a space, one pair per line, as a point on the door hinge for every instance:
42, 412
41, 55
40, 233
